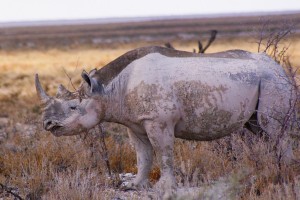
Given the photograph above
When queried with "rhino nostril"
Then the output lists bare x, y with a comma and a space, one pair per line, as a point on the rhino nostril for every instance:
47, 124
51, 125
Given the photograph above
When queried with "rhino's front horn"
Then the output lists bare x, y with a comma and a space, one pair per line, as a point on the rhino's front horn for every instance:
40, 91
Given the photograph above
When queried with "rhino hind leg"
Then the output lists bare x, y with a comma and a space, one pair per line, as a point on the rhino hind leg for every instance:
161, 136
144, 153
274, 105
253, 125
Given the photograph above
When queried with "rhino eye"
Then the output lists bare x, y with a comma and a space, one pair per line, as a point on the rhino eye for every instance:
73, 107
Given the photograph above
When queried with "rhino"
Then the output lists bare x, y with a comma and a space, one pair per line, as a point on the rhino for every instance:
161, 94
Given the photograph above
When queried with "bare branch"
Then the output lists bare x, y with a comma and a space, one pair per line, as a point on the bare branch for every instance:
69, 77
200, 47
9, 190
104, 149
270, 38
261, 36
212, 38
169, 45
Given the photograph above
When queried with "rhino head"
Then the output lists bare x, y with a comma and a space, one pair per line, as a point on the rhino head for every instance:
66, 113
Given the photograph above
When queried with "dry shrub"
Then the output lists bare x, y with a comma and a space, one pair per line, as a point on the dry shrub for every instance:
194, 162
76, 185
31, 164
247, 158
121, 154
274, 40
277, 191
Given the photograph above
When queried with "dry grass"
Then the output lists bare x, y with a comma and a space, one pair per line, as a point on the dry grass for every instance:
38, 165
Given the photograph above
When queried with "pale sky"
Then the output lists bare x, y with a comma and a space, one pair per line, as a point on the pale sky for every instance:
28, 10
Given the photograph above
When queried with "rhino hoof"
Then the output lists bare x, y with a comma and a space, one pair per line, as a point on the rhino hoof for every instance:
128, 186
133, 186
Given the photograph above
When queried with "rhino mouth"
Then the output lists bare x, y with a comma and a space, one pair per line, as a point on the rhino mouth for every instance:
55, 128
52, 126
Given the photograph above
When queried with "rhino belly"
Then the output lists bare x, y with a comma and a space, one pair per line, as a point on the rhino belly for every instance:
211, 123
203, 130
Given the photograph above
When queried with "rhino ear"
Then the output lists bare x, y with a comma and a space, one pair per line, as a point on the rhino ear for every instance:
92, 72
95, 86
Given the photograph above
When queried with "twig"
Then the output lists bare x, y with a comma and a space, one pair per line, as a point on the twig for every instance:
169, 45
9, 191
212, 38
270, 39
104, 149
69, 77
200, 47
261, 37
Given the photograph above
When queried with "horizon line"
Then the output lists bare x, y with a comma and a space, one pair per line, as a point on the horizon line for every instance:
108, 20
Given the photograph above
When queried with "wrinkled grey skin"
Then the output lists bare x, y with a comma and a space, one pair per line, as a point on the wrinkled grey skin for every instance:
161, 96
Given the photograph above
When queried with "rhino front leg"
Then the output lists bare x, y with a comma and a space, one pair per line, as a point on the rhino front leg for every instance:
144, 153
161, 135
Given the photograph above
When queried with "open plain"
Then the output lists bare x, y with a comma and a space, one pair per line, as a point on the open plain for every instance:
36, 165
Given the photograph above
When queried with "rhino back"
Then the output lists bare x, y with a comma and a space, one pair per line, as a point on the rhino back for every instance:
166, 71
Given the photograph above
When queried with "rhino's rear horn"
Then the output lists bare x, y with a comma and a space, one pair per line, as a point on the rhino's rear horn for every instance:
62, 92
40, 91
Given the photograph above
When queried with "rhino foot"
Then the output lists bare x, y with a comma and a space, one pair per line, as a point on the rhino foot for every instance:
132, 185
166, 184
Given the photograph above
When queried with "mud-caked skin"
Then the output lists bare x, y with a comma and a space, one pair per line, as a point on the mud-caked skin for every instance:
161, 94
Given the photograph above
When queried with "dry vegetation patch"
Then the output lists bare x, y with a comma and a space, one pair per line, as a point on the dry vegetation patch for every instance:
35, 164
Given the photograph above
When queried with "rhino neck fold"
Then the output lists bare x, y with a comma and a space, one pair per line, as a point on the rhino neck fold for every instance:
113, 103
